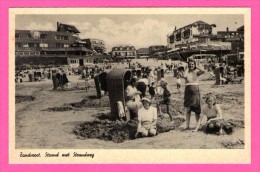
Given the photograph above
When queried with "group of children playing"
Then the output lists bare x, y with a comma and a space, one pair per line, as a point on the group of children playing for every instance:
161, 95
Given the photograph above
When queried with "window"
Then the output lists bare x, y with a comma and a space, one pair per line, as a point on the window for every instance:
186, 34
58, 37
61, 37
43, 36
33, 44
178, 36
44, 45
18, 45
66, 45
25, 45
30, 44
29, 35
59, 45
172, 39
73, 61
17, 35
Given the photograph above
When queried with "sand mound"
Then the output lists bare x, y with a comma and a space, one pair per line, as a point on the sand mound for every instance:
60, 109
117, 131
89, 102
92, 101
234, 145
227, 98
19, 99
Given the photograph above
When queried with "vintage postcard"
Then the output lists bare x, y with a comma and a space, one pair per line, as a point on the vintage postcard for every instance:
130, 85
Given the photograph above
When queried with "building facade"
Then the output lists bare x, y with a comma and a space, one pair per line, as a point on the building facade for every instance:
236, 38
63, 43
96, 45
156, 49
197, 35
128, 52
142, 53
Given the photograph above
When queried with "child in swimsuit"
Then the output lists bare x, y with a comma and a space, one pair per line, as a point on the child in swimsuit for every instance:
213, 113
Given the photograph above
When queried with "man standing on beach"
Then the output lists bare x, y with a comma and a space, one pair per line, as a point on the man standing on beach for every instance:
192, 93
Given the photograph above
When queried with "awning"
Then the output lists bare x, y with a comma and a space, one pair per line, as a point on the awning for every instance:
193, 46
184, 47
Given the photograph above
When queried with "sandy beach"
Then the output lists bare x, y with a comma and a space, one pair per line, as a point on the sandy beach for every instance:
42, 122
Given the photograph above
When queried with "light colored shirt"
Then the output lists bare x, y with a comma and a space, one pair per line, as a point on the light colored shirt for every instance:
149, 115
130, 90
151, 77
178, 81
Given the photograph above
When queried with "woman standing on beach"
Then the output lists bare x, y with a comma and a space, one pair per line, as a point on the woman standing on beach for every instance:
192, 93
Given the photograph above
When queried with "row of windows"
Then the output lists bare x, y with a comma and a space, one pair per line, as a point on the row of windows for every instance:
97, 42
156, 48
121, 48
74, 61
232, 35
61, 45
27, 53
42, 45
61, 37
186, 34
42, 36
124, 54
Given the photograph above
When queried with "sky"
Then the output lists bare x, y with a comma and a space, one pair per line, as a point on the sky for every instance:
140, 31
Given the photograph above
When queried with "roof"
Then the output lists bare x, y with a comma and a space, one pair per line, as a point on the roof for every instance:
241, 28
143, 50
67, 49
69, 28
92, 39
123, 46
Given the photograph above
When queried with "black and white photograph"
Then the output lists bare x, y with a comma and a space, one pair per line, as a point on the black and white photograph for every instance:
124, 81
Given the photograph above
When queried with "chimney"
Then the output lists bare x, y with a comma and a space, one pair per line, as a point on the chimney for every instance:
58, 26
227, 29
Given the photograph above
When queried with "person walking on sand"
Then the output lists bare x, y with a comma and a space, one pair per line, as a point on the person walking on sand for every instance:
87, 83
192, 93
178, 82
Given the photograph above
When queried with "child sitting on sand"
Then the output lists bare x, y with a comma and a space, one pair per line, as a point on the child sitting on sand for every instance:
214, 116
